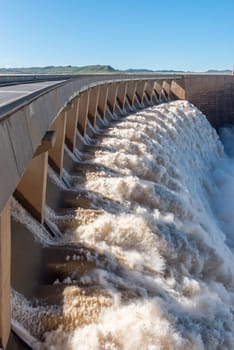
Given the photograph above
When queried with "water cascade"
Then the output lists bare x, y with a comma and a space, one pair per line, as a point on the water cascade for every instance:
153, 236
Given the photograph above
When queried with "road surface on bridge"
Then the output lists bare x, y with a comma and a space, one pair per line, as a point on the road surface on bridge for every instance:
12, 93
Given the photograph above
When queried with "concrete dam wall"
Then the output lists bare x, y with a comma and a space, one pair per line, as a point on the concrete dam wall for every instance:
39, 133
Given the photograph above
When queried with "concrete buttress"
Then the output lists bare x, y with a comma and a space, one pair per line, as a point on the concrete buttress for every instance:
71, 123
131, 91
31, 190
57, 152
102, 103
112, 95
83, 112
121, 95
93, 104
5, 268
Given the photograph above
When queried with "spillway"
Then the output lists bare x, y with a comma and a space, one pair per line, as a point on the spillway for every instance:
144, 259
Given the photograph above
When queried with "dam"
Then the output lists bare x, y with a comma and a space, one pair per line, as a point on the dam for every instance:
114, 231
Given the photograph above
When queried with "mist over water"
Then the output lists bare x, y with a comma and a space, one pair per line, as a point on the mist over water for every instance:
223, 201
162, 221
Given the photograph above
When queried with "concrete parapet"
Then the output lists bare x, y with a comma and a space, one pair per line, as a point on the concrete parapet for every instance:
5, 273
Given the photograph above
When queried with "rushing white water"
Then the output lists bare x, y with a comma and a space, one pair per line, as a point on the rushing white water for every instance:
164, 188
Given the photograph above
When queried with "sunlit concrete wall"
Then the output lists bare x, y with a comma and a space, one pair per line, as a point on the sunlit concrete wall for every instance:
213, 95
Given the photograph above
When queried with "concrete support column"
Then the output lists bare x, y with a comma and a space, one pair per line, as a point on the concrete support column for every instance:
31, 190
57, 152
158, 88
140, 90
5, 273
167, 87
112, 95
83, 112
71, 123
93, 104
149, 90
102, 101
121, 95
154, 97
178, 89
131, 91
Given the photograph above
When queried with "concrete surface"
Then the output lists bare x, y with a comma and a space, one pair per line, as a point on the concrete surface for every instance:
9, 94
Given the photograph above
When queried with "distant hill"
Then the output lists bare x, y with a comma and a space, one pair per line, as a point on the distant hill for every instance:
132, 70
213, 71
139, 71
93, 69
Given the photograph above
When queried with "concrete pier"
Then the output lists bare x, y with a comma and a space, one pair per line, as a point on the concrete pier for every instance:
5, 268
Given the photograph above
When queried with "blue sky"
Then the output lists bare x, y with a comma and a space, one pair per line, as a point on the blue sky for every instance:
166, 34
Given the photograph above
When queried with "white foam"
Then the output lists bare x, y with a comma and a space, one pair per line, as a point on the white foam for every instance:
172, 244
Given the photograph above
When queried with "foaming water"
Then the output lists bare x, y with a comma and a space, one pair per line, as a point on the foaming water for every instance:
161, 184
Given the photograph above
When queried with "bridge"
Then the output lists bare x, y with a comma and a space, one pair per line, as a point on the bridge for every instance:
42, 115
